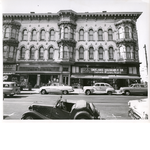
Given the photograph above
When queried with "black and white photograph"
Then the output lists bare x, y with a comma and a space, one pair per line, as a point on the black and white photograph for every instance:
72, 67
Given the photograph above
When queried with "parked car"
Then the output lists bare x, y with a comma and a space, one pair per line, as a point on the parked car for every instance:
56, 87
10, 89
134, 89
139, 109
63, 109
99, 88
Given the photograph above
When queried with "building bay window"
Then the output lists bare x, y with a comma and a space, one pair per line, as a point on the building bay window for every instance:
71, 34
127, 35
66, 53
66, 33
13, 33
6, 33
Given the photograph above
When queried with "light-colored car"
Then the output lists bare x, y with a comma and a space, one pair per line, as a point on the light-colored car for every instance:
10, 89
139, 109
134, 89
56, 87
99, 88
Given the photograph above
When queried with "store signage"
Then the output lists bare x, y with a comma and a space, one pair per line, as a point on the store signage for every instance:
38, 68
9, 68
105, 70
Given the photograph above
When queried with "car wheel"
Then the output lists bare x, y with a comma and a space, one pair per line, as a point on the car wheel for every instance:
43, 92
127, 93
109, 92
82, 117
88, 92
65, 92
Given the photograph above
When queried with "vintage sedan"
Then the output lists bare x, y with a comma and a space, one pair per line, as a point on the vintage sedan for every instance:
134, 89
56, 87
63, 109
139, 109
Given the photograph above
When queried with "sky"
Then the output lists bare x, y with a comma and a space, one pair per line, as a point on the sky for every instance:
44, 6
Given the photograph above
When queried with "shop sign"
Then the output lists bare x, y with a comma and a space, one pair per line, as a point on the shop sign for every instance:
9, 68
38, 68
105, 70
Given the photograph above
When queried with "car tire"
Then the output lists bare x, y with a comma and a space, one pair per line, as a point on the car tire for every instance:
127, 93
109, 92
82, 117
43, 92
65, 92
88, 92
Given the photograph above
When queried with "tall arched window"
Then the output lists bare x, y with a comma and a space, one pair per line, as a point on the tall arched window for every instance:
22, 53
13, 33
91, 53
127, 32
32, 51
81, 53
50, 53
41, 53
42, 35
111, 53
100, 34
33, 35
71, 33
128, 53
110, 35
66, 33
120, 33
100, 52
24, 35
51, 35
81, 35
6, 34
91, 35
66, 52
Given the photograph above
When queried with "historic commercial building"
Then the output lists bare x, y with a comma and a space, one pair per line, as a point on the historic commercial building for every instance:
71, 48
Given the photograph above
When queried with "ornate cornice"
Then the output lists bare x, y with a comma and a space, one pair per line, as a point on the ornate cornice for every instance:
125, 21
71, 23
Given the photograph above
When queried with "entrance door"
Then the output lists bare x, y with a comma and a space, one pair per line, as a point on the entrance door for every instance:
65, 80
32, 80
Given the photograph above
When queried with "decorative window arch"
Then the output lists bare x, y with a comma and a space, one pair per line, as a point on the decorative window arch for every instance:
13, 33
24, 35
52, 35
100, 52
81, 52
41, 52
32, 52
66, 52
66, 33
111, 53
42, 35
128, 52
7, 31
22, 52
127, 35
100, 34
81, 34
33, 35
91, 34
50, 52
91, 53
110, 35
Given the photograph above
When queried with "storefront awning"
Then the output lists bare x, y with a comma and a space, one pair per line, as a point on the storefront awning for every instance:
104, 77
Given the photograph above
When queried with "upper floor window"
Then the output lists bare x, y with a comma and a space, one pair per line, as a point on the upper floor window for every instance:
66, 33
81, 53
32, 51
22, 53
132, 70
5, 51
71, 33
11, 52
120, 33
71, 53
51, 35
91, 53
100, 52
6, 33
24, 35
128, 53
41, 53
91, 35
127, 32
13, 33
110, 35
81, 35
66, 52
111, 53
50, 53
100, 34
42, 35
33, 35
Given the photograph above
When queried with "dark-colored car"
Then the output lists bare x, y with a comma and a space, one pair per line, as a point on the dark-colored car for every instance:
63, 109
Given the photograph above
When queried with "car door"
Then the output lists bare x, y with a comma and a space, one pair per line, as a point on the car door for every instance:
96, 88
102, 88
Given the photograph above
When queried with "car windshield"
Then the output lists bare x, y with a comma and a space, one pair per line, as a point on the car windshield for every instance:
131, 85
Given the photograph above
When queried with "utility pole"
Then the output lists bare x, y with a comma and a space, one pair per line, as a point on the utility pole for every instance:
146, 58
